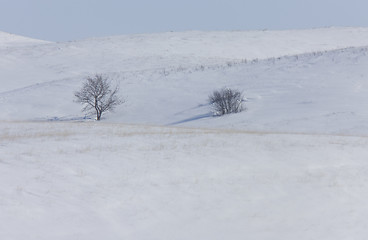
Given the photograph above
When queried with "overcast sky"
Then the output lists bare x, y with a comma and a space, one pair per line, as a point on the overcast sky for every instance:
62, 20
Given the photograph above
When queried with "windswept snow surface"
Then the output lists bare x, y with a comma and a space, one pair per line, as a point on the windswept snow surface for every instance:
112, 181
319, 92
27, 65
292, 166
148, 52
294, 80
8, 40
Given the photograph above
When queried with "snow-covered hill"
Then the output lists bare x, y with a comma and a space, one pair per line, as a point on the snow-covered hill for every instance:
286, 168
28, 65
296, 81
8, 40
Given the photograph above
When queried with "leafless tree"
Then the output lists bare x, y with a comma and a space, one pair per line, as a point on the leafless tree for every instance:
226, 100
98, 95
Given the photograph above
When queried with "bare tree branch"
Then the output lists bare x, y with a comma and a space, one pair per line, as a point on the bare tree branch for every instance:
97, 95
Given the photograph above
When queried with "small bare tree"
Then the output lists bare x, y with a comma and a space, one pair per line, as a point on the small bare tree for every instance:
97, 95
226, 100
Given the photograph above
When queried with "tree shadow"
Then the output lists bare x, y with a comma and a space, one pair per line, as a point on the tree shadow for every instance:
194, 118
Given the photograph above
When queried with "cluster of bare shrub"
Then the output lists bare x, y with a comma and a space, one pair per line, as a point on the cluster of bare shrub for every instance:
226, 101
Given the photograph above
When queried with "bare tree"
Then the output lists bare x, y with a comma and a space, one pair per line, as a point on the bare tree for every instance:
226, 100
97, 95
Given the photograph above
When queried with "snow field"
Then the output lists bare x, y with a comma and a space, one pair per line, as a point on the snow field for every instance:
35, 62
115, 181
318, 92
292, 166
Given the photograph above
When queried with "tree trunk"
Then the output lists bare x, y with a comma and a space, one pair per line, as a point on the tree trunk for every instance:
98, 113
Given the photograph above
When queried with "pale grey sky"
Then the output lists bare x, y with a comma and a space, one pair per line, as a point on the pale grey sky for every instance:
61, 20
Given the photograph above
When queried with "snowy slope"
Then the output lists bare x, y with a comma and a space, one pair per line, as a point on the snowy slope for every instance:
58, 181
26, 66
322, 93
295, 81
8, 40
242, 176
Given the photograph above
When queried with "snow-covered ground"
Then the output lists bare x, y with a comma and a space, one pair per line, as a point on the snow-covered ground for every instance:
30, 64
295, 81
114, 181
292, 166
8, 40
